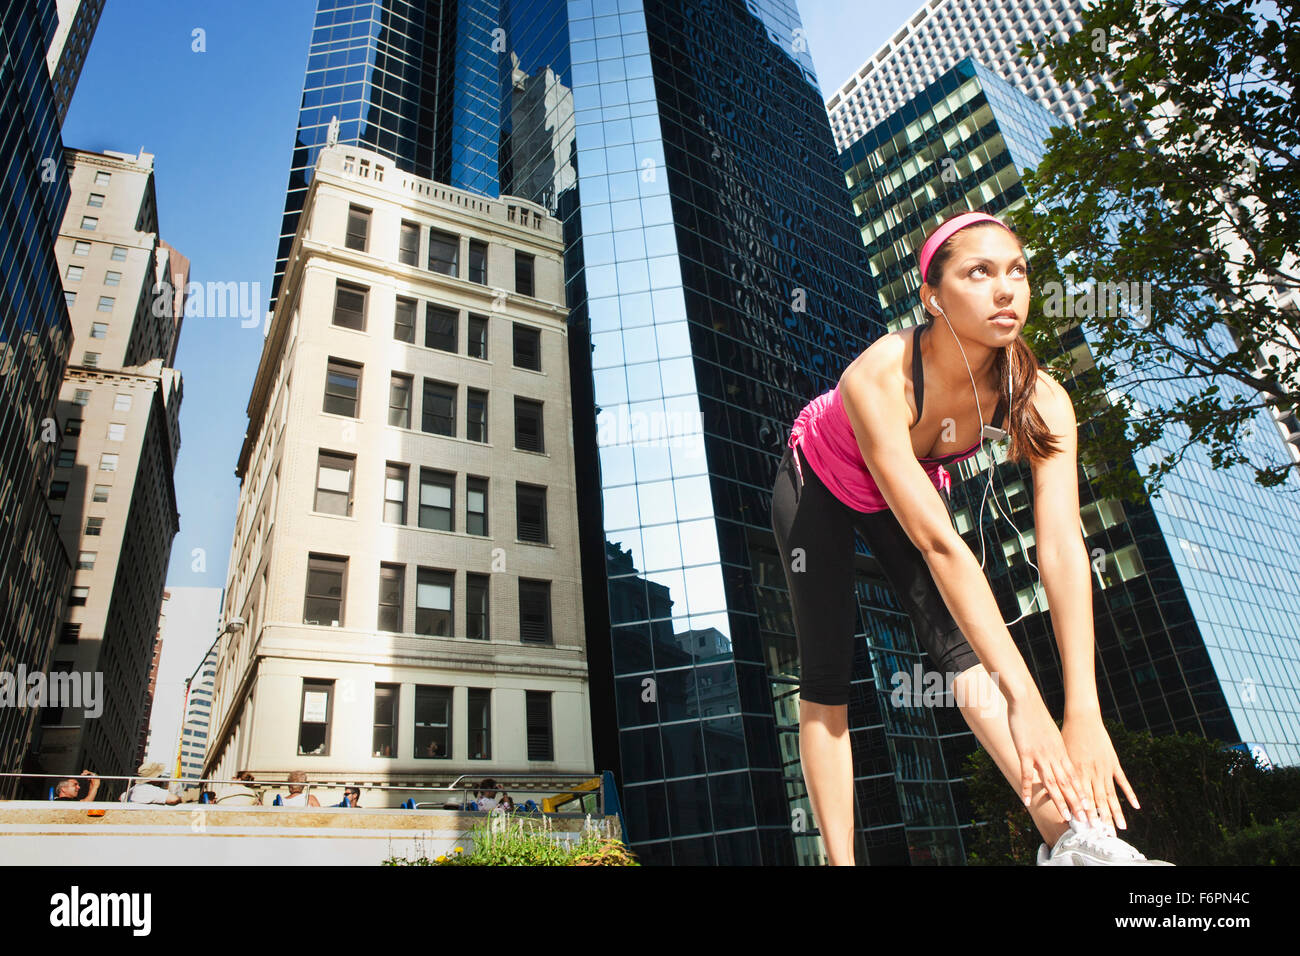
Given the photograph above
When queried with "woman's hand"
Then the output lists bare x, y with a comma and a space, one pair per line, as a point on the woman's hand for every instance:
1090, 748
1039, 744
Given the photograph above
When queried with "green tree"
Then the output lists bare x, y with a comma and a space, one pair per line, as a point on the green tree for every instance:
1182, 174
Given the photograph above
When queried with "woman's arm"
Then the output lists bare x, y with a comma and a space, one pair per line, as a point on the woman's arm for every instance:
1062, 555
874, 399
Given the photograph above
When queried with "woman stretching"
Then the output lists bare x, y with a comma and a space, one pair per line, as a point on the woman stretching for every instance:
870, 454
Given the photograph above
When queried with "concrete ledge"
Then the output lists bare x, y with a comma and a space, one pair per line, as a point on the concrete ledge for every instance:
44, 833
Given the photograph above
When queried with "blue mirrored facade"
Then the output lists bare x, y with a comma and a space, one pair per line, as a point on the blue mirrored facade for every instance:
716, 284
35, 336
1191, 596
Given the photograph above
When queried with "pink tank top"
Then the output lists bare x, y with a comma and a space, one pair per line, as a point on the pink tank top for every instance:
825, 435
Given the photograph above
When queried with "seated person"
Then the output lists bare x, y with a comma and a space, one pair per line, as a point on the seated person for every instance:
152, 788
241, 794
296, 797
81, 788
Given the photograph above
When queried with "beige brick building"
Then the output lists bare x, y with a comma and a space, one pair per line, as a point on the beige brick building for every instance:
404, 598
113, 488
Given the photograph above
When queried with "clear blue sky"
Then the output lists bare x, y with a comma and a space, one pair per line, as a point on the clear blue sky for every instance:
220, 124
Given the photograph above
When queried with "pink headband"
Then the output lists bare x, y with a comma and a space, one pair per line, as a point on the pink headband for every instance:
944, 232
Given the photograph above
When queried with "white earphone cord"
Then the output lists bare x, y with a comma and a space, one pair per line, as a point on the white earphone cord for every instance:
989, 485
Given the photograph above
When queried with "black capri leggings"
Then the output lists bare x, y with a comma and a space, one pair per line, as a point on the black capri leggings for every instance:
822, 595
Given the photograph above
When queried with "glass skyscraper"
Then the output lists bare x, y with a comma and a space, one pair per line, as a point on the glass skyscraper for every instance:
35, 336
1193, 617
709, 301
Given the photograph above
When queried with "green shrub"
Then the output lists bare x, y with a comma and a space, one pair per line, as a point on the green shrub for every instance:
520, 840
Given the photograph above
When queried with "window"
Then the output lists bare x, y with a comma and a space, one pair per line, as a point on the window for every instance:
106, 303
98, 330
116, 431
122, 402
530, 513
74, 273
119, 254
112, 278
350, 306
399, 401
58, 490
408, 244
385, 739
66, 459
528, 425
107, 462
478, 344
89, 223
476, 606
476, 520
334, 483
528, 347
433, 610
86, 560
523, 273
79, 595
358, 228
81, 397
342, 388
534, 611
436, 489
395, 478
480, 723
73, 426
537, 711
90, 359
439, 408
476, 410
432, 722
96, 201
94, 526
392, 578
102, 178
325, 581
81, 248
100, 493
69, 298
404, 321
444, 253
441, 329
314, 723
478, 262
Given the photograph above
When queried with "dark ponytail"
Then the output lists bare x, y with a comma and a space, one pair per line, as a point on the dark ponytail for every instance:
1031, 439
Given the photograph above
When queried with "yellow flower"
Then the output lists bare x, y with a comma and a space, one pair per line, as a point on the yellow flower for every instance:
441, 858
460, 849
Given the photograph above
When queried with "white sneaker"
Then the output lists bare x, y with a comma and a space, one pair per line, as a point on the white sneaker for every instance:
1089, 844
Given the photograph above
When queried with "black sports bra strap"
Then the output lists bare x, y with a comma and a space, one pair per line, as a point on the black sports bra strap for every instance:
918, 380
918, 372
